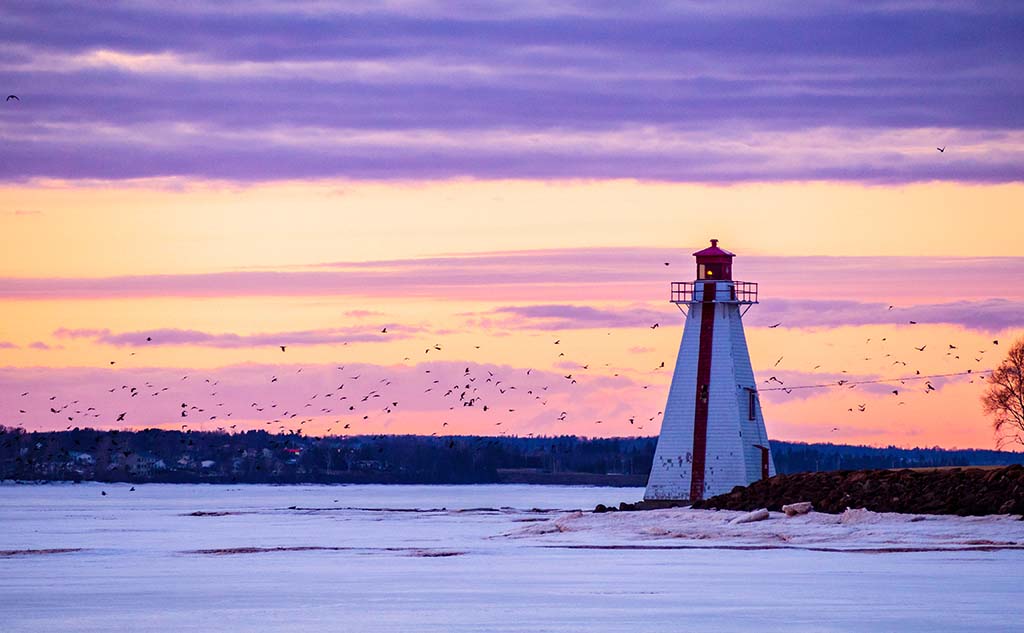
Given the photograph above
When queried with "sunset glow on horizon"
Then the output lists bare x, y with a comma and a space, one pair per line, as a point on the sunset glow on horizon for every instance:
409, 195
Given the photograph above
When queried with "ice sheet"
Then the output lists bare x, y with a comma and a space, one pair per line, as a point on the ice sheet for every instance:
482, 558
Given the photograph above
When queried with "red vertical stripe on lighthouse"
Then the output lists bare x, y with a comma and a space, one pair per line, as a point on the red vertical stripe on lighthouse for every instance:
703, 395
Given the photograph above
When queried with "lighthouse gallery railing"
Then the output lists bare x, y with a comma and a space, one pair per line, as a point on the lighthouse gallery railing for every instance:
744, 292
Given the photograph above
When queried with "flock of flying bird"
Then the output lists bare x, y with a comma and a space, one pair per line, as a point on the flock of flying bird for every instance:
348, 407
468, 390
952, 354
349, 403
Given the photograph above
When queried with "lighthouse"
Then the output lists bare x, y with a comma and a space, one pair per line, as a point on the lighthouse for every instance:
712, 434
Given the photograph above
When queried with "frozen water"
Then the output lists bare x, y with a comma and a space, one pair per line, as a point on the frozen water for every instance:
483, 558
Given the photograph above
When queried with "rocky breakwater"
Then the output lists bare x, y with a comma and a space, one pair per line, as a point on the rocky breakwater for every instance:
959, 491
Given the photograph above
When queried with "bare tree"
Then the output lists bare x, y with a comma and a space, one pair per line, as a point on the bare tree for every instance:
1004, 398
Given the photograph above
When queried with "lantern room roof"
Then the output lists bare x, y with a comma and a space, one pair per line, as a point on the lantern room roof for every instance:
714, 251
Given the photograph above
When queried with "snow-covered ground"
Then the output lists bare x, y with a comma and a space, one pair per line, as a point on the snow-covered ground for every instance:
854, 531
483, 558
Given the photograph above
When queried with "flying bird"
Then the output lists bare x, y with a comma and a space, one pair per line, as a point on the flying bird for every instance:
771, 327
941, 149
15, 97
921, 349
282, 348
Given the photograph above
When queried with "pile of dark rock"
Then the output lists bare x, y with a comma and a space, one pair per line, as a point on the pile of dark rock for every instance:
641, 505
960, 491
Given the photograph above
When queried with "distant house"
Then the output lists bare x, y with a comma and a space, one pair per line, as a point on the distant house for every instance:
82, 458
368, 464
207, 463
145, 464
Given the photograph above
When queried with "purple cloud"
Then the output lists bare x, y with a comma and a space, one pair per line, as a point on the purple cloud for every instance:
39, 345
573, 275
676, 91
80, 332
791, 385
989, 315
570, 317
230, 340
7, 345
802, 385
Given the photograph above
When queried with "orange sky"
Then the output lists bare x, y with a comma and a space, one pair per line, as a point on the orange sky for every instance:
61, 228
159, 230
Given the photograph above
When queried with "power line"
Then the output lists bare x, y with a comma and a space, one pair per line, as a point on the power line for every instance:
845, 383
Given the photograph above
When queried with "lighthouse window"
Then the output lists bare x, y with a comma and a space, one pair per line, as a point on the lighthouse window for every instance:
751, 405
711, 271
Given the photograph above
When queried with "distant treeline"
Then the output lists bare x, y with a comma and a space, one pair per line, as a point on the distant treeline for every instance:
155, 455
798, 457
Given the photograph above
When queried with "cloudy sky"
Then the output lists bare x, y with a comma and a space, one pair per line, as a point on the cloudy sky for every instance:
185, 187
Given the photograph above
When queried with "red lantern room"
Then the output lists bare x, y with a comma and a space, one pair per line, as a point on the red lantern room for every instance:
714, 263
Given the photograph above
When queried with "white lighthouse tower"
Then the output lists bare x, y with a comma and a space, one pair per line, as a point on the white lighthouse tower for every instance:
712, 436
